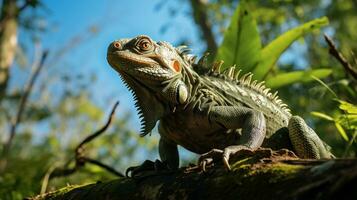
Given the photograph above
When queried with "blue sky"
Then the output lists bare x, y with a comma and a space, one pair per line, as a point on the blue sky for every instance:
116, 19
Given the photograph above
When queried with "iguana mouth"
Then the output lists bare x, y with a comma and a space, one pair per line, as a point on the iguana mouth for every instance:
130, 58
143, 67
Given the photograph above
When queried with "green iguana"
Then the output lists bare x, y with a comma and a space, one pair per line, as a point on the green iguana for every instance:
214, 114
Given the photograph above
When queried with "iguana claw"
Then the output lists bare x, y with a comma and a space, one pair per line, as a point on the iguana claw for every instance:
217, 154
209, 158
148, 166
232, 150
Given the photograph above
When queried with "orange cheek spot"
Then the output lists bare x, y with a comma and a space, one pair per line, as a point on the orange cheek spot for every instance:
176, 65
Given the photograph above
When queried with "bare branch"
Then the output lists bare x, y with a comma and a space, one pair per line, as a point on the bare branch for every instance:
335, 53
46, 179
98, 132
23, 101
80, 159
104, 166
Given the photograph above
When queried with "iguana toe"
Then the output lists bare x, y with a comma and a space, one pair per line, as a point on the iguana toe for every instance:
229, 151
208, 159
211, 157
147, 168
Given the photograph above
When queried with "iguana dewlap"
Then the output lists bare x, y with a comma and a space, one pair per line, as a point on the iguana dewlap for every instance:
222, 112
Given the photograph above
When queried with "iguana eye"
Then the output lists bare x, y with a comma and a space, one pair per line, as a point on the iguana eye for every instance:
117, 45
144, 44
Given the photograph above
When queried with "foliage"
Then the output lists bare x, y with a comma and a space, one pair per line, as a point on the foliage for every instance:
241, 46
292, 71
345, 122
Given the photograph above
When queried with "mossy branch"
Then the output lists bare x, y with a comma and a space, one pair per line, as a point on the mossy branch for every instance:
263, 174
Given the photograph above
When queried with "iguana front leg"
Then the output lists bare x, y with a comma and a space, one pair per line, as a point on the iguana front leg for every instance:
168, 152
169, 158
251, 122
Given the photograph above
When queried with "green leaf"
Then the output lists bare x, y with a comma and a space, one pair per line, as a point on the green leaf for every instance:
349, 108
241, 44
271, 53
322, 115
297, 76
324, 85
341, 131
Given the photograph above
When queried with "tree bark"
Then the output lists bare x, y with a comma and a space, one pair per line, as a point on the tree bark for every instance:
8, 41
264, 174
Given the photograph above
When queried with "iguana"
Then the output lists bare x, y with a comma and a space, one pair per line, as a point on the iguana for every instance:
215, 114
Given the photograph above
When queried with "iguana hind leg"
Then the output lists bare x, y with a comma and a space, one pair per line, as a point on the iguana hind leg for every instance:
305, 141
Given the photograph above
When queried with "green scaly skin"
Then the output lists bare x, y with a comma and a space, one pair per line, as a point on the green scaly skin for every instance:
214, 114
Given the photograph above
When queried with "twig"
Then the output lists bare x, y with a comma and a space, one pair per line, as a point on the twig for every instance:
46, 178
79, 148
81, 160
22, 104
102, 165
335, 53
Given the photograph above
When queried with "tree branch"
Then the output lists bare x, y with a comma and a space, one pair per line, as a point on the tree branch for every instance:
21, 108
263, 174
79, 148
80, 159
335, 53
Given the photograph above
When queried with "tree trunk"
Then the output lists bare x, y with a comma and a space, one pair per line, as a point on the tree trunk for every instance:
263, 174
8, 41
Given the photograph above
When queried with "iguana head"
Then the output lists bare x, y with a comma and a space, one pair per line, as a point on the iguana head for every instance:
153, 71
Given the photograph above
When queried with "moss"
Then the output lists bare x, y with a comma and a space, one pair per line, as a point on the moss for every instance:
240, 163
276, 171
285, 168
281, 171
58, 193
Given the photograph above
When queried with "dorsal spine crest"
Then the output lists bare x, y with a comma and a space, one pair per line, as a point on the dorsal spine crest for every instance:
233, 75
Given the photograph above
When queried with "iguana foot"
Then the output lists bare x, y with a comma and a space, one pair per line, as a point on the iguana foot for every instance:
209, 158
148, 167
